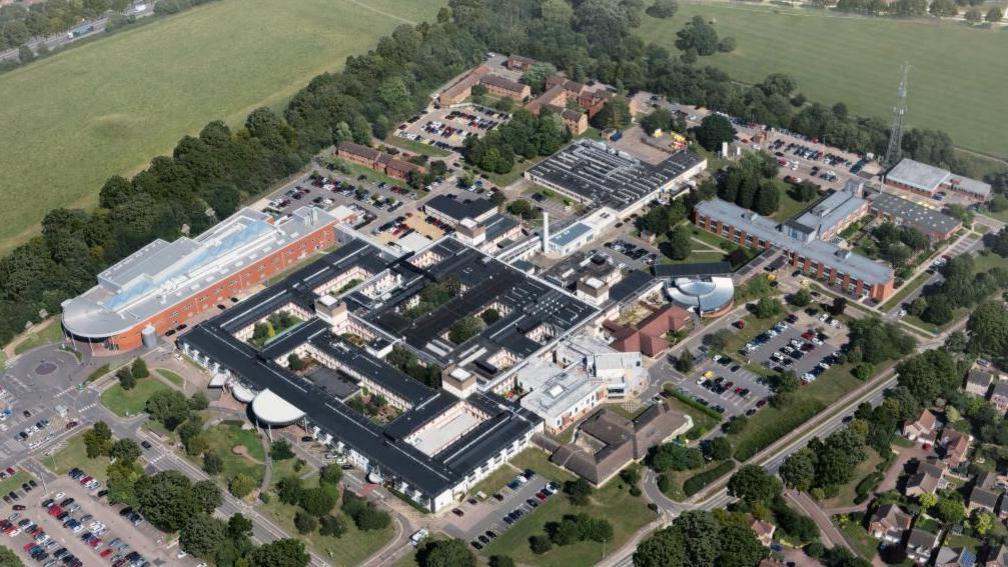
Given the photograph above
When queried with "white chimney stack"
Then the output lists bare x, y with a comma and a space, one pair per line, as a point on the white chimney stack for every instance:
545, 232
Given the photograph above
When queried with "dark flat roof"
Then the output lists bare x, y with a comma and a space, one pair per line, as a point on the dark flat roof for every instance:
460, 209
693, 270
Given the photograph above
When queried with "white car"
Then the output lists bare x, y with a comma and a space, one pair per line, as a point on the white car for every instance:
59, 495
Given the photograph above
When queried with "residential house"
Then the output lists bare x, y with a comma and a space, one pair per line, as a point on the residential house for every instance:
949, 557
920, 545
978, 382
1001, 510
926, 479
764, 531
956, 445
889, 523
999, 395
981, 498
922, 429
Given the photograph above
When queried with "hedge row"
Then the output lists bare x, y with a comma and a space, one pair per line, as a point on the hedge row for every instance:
695, 404
759, 438
699, 481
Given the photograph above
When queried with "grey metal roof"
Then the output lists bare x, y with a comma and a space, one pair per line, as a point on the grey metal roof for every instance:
705, 295
828, 213
824, 253
918, 175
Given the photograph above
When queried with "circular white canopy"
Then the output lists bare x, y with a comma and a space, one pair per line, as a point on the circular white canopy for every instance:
274, 410
241, 393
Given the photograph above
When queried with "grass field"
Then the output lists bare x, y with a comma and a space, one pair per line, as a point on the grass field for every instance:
109, 106
957, 79
626, 513
53, 332
223, 438
131, 402
73, 454
172, 377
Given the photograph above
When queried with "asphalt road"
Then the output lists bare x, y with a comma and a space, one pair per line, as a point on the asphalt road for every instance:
61, 39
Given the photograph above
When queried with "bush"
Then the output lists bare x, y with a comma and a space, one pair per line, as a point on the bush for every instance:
241, 485
760, 439
333, 526
815, 549
697, 482
280, 450
305, 523
540, 544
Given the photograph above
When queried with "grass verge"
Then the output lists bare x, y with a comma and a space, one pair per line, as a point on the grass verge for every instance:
125, 403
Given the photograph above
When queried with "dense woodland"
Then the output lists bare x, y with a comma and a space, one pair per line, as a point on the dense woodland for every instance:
209, 175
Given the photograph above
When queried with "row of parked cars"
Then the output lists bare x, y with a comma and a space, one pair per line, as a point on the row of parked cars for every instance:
92, 531
633, 251
530, 503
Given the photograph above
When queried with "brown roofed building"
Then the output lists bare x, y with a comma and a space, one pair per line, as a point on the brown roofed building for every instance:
889, 523
922, 429
560, 91
503, 87
376, 160
764, 531
576, 122
519, 63
982, 499
606, 442
999, 395
648, 336
925, 480
462, 88
956, 445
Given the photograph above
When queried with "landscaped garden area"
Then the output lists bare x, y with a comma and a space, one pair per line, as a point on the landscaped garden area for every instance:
131, 402
74, 454
240, 450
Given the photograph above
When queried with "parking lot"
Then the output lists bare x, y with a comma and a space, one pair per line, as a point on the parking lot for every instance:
109, 536
726, 386
489, 515
806, 348
448, 128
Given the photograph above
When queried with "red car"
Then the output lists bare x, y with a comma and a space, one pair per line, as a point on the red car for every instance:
55, 510
106, 553
541, 495
94, 543
10, 470
86, 480
28, 545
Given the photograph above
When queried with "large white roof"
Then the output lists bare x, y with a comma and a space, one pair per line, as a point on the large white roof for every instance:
274, 410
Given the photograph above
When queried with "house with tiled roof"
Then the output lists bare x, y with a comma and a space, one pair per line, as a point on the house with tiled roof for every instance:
955, 557
922, 429
764, 531
956, 446
920, 545
999, 395
981, 498
648, 336
889, 523
925, 480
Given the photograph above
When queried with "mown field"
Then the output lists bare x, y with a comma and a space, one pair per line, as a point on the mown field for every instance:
109, 106
957, 81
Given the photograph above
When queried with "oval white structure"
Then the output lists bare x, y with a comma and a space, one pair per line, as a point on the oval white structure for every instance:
242, 394
274, 410
708, 296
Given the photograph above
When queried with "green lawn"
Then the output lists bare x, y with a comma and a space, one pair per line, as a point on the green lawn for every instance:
626, 513
847, 491
14, 482
788, 205
52, 333
824, 53
111, 105
538, 461
906, 289
502, 180
416, 147
223, 438
171, 376
74, 455
495, 481
349, 549
131, 402
863, 543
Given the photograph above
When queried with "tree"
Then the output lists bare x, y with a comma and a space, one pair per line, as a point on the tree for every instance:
280, 450
785, 382
521, 208
9, 559
126, 379
445, 553
198, 401
767, 307
753, 484
727, 45
949, 511
739, 546
798, 469
713, 130
736, 425
330, 475
697, 34
614, 114
838, 307
973, 16
805, 191
929, 374
579, 491
535, 76
241, 485
212, 463
700, 536
280, 553
662, 548
501, 561
983, 522
332, 526
465, 328
943, 8
801, 298
540, 544
125, 450
170, 407
305, 523
674, 457
490, 316
685, 361
289, 490
202, 535
295, 362
927, 500
98, 440
139, 368
994, 15
719, 449
317, 501
208, 495
166, 499
663, 8
658, 119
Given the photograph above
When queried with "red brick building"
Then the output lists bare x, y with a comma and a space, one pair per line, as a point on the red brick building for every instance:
164, 285
648, 336
376, 160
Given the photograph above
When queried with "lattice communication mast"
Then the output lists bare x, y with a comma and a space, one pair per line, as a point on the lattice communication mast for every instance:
895, 150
